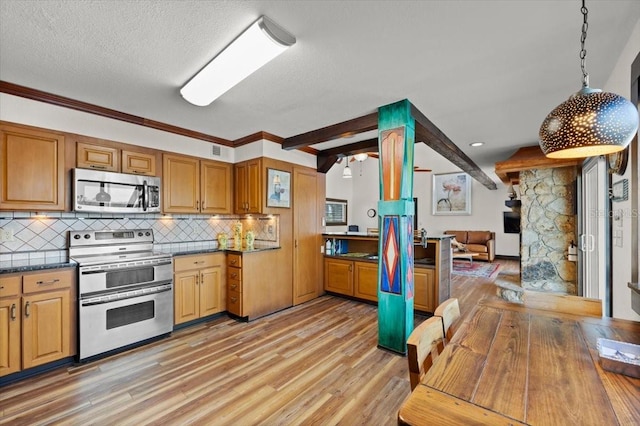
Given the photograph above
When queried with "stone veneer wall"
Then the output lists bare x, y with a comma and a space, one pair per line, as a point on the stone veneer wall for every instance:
44, 237
548, 225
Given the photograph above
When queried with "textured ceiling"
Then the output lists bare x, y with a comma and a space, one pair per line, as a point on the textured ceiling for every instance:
480, 70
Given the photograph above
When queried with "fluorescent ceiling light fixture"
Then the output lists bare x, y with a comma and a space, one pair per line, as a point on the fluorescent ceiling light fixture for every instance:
257, 45
476, 144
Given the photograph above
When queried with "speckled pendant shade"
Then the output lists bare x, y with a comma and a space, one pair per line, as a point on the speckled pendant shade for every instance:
589, 123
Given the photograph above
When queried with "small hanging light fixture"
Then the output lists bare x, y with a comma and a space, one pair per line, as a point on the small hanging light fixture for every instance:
591, 122
346, 173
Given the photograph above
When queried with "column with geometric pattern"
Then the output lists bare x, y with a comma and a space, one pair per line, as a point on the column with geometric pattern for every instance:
396, 137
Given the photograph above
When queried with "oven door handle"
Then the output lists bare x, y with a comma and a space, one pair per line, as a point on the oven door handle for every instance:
113, 297
132, 267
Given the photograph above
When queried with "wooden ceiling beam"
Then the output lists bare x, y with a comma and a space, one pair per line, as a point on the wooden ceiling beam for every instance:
428, 133
346, 128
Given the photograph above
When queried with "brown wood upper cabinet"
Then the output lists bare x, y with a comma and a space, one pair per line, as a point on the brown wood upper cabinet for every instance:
191, 185
31, 169
248, 183
112, 159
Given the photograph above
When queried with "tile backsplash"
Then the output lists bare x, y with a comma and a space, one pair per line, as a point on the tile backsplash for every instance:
45, 236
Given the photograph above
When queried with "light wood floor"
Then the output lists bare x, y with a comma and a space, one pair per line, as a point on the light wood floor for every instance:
316, 363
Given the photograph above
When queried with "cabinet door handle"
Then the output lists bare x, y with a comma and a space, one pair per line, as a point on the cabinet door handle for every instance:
27, 310
198, 205
93, 166
234, 286
350, 268
234, 275
199, 262
53, 281
13, 312
233, 300
233, 262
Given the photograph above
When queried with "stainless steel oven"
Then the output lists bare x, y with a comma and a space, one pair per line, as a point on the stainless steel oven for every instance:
125, 289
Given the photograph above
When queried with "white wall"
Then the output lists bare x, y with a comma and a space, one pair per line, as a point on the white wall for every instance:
26, 111
620, 82
362, 192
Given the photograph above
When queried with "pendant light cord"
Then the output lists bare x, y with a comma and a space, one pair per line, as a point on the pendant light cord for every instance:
583, 51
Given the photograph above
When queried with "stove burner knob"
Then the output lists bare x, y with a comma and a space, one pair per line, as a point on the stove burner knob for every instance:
139, 234
87, 236
147, 233
77, 236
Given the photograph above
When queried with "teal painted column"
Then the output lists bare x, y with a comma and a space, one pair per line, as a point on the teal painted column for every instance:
396, 140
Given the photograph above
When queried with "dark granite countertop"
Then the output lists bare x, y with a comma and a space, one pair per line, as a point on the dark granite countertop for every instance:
253, 250
634, 286
216, 250
14, 266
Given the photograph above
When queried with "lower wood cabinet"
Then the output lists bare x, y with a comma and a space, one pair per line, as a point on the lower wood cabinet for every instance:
338, 276
199, 286
360, 279
37, 319
424, 297
252, 290
365, 280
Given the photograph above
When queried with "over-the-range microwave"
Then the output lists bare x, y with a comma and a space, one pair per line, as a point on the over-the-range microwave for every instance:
108, 192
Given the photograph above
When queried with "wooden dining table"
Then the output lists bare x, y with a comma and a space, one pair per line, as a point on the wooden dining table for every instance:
509, 364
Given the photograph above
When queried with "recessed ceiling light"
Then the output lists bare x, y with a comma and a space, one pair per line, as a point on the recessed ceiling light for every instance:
475, 144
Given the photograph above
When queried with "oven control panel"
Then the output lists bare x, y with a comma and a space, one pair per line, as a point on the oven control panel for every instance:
91, 238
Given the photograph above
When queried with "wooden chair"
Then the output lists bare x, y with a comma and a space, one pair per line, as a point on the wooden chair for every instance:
563, 303
425, 342
449, 311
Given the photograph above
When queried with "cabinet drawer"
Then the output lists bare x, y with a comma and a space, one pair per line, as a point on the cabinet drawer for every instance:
234, 273
234, 260
235, 285
10, 286
185, 263
54, 280
234, 303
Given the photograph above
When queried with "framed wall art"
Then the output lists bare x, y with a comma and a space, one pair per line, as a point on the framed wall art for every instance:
451, 194
278, 188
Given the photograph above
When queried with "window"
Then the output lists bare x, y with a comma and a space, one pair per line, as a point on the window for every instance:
335, 212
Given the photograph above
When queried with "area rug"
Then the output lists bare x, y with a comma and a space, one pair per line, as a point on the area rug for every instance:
475, 269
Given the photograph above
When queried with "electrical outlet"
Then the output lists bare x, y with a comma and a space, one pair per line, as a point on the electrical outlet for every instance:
270, 229
6, 235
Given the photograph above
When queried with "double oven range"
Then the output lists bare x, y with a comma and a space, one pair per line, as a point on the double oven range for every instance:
125, 289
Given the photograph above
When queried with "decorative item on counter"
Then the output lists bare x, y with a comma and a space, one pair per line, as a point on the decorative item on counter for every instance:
237, 235
222, 241
328, 248
249, 239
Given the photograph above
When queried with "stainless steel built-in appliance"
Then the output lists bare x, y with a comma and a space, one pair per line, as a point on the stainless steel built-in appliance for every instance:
125, 289
98, 191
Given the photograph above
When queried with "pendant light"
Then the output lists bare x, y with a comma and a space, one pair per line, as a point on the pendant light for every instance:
591, 122
346, 173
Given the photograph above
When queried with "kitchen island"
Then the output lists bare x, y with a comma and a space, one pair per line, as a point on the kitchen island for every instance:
353, 269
